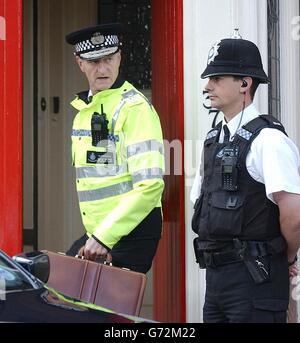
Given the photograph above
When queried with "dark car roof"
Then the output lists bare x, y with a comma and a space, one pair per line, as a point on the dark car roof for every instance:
43, 306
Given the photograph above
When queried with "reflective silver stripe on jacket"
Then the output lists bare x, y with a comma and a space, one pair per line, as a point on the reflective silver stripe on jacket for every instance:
105, 192
147, 174
146, 146
99, 171
125, 96
116, 115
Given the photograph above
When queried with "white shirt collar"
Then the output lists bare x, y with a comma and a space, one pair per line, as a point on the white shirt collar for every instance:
90, 94
249, 113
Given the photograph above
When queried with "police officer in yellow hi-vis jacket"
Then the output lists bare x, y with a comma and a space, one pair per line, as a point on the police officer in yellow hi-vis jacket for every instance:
117, 150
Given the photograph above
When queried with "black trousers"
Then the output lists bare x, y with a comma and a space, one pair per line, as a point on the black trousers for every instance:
137, 250
233, 297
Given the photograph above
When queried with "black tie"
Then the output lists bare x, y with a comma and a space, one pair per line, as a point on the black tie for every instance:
226, 134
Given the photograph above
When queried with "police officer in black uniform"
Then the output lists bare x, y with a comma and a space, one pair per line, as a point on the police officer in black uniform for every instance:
246, 215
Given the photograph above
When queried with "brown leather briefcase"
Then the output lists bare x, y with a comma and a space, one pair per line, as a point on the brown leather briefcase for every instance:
118, 289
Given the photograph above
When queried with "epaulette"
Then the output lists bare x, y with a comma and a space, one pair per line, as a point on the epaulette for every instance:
214, 131
252, 128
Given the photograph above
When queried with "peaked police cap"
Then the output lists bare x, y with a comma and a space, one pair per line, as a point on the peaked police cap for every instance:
92, 43
233, 56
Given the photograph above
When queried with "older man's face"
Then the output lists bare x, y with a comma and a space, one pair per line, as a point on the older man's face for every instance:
101, 73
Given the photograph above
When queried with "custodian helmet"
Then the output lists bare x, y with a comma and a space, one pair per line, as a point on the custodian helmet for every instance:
233, 56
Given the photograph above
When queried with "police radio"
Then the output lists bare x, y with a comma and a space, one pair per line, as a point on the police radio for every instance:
99, 127
229, 169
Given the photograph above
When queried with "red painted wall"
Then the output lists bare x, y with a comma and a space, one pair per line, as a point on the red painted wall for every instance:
167, 97
11, 127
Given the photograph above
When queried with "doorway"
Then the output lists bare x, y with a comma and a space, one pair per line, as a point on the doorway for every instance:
50, 81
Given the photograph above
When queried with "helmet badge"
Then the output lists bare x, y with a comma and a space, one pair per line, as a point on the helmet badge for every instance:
213, 52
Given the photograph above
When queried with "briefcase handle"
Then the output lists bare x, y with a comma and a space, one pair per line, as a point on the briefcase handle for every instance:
100, 260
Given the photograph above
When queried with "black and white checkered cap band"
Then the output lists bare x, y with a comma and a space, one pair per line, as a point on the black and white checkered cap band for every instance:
87, 45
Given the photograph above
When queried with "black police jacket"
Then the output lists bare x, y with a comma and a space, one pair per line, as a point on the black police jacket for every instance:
232, 204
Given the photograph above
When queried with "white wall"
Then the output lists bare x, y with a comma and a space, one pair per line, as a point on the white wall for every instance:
290, 78
289, 66
205, 22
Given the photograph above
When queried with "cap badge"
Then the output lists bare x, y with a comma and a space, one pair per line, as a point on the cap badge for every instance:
97, 38
213, 52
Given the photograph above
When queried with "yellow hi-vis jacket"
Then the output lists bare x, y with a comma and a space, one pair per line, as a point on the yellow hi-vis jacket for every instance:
120, 183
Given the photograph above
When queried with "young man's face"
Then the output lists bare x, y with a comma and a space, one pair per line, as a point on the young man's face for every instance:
102, 73
225, 93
